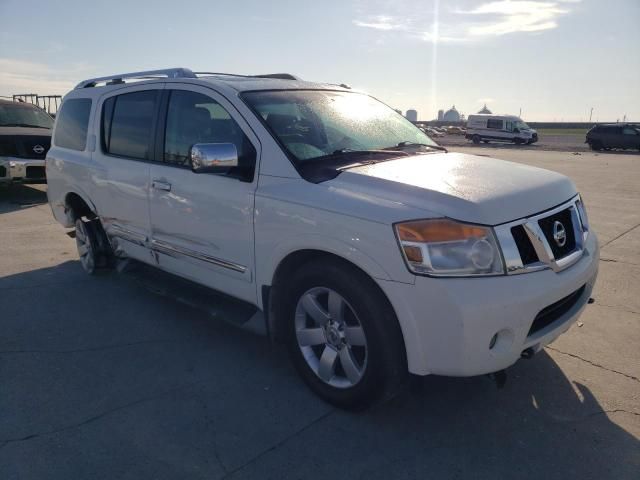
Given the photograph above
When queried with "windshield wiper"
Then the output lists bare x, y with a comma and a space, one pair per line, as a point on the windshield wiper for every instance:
414, 144
21, 125
349, 151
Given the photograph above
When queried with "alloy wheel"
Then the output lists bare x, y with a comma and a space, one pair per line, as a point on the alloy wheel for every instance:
330, 337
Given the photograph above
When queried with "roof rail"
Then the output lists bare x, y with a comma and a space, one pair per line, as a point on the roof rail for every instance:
167, 72
281, 76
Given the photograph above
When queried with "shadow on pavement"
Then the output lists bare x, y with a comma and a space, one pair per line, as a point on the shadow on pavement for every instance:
19, 196
101, 378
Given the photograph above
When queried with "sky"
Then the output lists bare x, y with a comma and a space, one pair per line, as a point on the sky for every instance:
553, 60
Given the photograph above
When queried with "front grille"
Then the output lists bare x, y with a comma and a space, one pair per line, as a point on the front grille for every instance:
528, 254
8, 147
35, 172
553, 312
22, 146
547, 226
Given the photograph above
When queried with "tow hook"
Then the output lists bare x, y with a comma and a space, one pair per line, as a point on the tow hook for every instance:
527, 353
499, 377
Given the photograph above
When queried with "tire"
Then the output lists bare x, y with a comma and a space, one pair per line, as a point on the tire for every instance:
517, 141
93, 247
476, 139
352, 353
596, 145
485, 141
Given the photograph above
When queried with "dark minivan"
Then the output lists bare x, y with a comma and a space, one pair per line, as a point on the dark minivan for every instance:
615, 135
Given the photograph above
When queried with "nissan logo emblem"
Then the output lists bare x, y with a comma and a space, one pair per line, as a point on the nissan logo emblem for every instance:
559, 234
39, 149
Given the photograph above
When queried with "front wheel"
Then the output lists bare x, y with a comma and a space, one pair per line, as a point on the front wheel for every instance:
343, 337
517, 141
476, 139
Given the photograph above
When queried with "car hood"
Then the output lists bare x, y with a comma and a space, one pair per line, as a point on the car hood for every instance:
464, 187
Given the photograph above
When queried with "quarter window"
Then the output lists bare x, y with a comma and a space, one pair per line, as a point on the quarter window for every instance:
128, 124
493, 123
195, 118
72, 124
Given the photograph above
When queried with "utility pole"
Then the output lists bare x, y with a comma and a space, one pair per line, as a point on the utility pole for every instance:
591, 114
520, 114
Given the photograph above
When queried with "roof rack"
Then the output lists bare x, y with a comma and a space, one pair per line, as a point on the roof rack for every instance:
171, 73
114, 79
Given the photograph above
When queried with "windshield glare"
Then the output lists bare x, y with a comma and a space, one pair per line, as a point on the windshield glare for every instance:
24, 115
312, 124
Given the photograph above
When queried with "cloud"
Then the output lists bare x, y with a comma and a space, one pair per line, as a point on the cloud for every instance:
489, 19
381, 22
515, 16
21, 76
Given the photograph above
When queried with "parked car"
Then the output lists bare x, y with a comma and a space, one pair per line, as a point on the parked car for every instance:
25, 137
615, 135
499, 128
432, 132
453, 130
358, 241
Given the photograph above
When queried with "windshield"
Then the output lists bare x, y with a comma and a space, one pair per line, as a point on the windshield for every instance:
24, 116
521, 125
312, 124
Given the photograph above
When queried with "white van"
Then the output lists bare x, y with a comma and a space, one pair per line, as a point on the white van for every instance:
500, 128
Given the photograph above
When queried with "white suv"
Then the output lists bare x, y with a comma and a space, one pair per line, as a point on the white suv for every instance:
360, 243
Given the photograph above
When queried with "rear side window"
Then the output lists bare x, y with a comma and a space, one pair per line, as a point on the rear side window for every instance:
72, 124
493, 123
128, 124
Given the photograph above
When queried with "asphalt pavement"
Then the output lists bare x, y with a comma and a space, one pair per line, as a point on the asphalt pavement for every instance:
116, 377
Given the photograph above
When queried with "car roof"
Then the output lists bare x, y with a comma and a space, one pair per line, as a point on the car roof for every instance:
222, 81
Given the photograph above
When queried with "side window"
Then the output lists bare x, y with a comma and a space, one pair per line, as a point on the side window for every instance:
72, 124
629, 131
494, 123
195, 118
509, 126
128, 122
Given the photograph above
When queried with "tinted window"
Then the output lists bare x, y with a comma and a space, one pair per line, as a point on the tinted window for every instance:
127, 124
629, 131
493, 123
195, 118
23, 115
72, 124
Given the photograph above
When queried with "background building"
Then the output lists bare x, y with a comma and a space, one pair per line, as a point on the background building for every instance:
485, 110
440, 115
451, 115
412, 115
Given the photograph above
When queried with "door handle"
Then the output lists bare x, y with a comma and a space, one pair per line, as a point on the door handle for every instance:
161, 185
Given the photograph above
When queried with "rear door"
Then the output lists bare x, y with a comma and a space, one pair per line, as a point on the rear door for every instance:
125, 151
202, 224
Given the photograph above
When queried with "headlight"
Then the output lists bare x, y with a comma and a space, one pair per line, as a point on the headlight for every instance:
444, 247
582, 212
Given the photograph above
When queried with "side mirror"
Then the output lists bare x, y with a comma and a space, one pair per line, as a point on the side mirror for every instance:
213, 157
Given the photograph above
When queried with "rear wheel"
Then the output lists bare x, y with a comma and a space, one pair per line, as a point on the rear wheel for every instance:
342, 335
92, 246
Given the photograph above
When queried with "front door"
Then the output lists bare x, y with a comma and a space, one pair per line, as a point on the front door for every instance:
202, 224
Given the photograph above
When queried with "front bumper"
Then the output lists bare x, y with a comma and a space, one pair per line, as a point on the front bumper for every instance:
448, 323
25, 169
